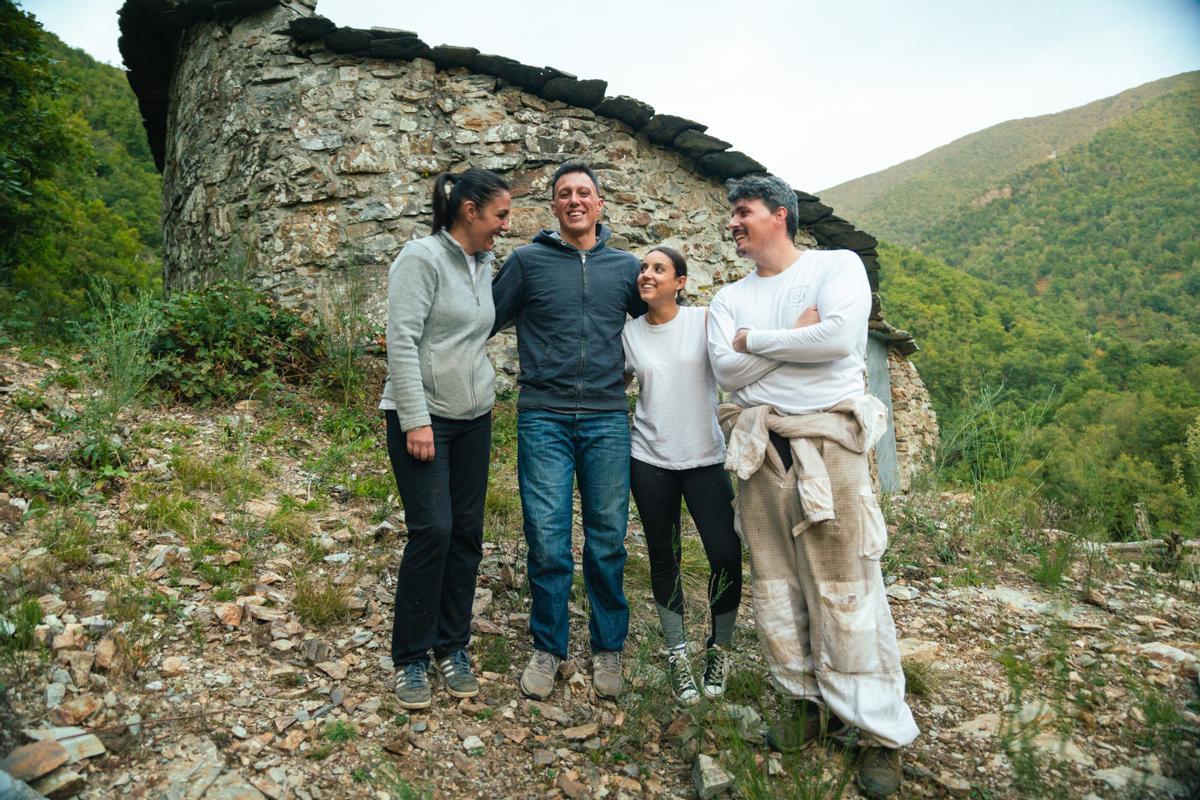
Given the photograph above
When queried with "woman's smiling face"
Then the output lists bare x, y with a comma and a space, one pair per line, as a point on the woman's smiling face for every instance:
484, 224
657, 282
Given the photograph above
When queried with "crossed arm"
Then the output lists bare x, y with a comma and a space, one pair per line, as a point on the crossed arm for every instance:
733, 364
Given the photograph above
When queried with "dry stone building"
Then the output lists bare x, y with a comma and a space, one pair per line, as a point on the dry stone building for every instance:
297, 155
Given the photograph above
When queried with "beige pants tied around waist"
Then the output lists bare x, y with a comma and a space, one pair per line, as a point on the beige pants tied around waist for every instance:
820, 607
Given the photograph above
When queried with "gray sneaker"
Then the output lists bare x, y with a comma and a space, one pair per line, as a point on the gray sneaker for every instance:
537, 680
607, 679
458, 676
412, 686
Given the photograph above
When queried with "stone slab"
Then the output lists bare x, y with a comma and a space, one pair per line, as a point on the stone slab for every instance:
403, 49
13, 789
730, 164
631, 111
31, 761
809, 212
449, 56
83, 747
349, 40
310, 29
693, 143
582, 93
663, 128
59, 785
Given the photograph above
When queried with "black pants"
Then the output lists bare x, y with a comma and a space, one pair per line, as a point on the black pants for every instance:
709, 495
443, 506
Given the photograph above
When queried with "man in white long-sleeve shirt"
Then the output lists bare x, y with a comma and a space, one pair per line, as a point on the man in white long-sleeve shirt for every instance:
788, 342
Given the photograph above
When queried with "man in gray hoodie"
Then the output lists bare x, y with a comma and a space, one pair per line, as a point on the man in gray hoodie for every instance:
568, 293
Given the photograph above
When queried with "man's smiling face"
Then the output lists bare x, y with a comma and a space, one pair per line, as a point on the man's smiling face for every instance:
754, 227
577, 205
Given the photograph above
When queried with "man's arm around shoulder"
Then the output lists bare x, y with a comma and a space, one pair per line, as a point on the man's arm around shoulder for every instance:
508, 292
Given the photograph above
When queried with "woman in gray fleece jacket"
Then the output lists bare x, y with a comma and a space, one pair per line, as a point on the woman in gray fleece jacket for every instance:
438, 406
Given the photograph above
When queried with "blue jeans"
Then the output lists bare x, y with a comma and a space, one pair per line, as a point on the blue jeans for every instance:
553, 449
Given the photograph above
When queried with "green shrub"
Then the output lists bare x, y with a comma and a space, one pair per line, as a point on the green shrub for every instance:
493, 654
61, 488
227, 340
1054, 562
345, 332
67, 536
340, 732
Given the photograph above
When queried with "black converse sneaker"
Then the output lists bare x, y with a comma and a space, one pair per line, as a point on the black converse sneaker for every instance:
717, 665
683, 685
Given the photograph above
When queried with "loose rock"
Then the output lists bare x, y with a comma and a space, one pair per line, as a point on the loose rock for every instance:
710, 778
31, 761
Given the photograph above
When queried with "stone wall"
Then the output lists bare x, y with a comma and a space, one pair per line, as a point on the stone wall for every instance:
289, 165
299, 157
913, 418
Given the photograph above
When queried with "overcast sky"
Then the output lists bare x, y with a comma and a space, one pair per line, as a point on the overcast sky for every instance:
818, 92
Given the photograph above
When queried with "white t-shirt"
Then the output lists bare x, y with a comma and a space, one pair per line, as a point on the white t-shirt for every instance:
796, 370
675, 422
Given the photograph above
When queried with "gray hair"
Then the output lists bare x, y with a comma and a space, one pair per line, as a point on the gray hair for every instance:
772, 191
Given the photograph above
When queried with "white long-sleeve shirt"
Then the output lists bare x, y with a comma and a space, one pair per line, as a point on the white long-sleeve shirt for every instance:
796, 370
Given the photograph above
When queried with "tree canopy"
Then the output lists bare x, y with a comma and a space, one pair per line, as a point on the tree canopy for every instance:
79, 197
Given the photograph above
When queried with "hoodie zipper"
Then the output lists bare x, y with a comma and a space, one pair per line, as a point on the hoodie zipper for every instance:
583, 329
473, 276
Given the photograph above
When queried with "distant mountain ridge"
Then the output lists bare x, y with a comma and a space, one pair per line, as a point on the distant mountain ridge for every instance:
900, 203
1109, 226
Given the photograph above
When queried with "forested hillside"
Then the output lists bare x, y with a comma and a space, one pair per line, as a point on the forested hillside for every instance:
80, 195
1075, 305
898, 204
1110, 226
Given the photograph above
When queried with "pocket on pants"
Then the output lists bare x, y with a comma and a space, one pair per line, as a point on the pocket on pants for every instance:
849, 627
873, 536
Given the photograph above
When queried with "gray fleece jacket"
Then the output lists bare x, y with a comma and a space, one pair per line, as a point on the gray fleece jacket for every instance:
439, 318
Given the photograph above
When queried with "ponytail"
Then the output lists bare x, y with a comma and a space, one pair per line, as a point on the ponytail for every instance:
441, 201
451, 191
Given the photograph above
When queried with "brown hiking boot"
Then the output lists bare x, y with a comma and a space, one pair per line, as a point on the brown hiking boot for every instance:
801, 722
879, 771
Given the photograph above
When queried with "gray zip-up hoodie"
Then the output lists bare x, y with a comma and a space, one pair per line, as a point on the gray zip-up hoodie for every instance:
439, 318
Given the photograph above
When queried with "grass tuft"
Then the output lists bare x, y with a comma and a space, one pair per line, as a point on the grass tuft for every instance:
921, 680
319, 602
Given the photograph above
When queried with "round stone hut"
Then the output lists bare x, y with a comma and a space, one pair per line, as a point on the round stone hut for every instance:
297, 155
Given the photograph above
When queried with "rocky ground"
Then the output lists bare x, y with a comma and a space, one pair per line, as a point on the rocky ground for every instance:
212, 621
